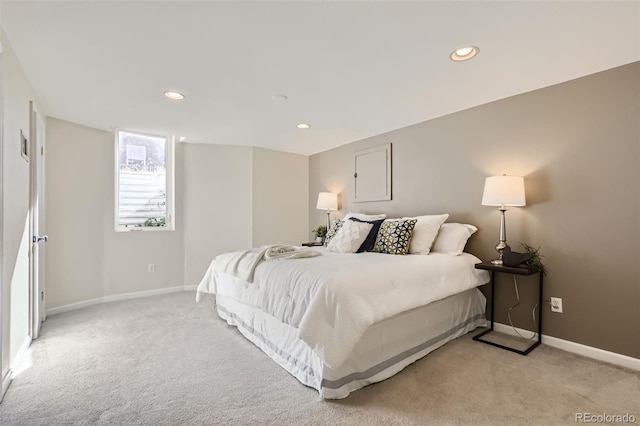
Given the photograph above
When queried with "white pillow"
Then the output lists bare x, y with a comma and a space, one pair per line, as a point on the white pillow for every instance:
425, 232
366, 217
452, 238
350, 237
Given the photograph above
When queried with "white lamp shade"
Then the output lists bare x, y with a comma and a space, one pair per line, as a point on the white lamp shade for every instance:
327, 201
504, 191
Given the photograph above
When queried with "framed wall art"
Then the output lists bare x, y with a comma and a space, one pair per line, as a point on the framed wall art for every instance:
24, 146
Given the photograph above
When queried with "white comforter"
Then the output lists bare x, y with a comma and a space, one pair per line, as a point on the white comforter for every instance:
334, 298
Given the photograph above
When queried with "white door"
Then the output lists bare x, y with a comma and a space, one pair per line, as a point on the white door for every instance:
4, 339
37, 309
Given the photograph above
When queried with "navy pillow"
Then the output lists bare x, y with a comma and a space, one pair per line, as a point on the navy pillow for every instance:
370, 241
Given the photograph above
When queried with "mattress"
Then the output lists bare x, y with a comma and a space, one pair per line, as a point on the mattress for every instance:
384, 349
333, 299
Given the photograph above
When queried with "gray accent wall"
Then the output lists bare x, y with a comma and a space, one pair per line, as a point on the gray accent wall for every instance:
578, 146
280, 188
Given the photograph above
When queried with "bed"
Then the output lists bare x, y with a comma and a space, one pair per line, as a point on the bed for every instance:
340, 321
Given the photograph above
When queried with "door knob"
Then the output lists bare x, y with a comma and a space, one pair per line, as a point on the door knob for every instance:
40, 239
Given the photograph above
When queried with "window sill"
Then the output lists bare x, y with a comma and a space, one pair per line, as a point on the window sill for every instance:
145, 229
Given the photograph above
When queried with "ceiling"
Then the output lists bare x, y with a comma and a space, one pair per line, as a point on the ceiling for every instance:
349, 69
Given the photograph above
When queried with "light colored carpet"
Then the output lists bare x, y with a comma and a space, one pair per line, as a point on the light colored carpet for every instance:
165, 360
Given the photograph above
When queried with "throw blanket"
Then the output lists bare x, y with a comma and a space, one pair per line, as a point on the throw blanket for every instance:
242, 264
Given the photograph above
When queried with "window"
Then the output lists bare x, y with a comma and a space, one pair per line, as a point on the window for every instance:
144, 182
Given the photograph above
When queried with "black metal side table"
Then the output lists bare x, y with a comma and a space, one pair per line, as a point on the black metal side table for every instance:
519, 270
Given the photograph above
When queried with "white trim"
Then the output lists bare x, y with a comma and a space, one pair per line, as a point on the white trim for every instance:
115, 298
6, 379
190, 287
139, 294
73, 306
576, 348
170, 183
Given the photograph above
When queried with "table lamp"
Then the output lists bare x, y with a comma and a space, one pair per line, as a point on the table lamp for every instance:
503, 191
327, 201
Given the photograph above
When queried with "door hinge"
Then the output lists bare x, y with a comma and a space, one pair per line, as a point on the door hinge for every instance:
42, 296
42, 150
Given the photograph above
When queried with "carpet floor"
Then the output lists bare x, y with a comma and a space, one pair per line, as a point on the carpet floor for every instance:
165, 360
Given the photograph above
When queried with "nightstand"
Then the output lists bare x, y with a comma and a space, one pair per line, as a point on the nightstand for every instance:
518, 270
311, 244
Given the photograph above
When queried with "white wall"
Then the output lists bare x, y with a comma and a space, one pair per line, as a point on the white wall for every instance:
217, 204
227, 198
239, 197
127, 255
76, 167
86, 258
15, 266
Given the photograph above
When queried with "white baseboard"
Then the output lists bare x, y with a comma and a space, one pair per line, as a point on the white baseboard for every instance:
190, 287
115, 298
139, 294
576, 348
73, 306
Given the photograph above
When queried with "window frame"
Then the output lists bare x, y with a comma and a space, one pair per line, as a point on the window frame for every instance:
170, 188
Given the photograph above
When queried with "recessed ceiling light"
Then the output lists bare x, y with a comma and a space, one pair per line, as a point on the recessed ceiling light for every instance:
303, 126
464, 53
176, 96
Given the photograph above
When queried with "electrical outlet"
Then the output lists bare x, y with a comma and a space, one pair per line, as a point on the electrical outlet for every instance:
556, 304
151, 267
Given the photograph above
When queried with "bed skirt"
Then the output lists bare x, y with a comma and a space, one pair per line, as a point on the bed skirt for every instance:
384, 350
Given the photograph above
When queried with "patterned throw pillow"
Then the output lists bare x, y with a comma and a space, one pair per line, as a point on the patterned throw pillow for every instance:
394, 236
332, 231
370, 241
350, 237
